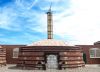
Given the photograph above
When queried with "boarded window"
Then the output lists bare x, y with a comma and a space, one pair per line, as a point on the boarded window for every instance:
95, 53
15, 52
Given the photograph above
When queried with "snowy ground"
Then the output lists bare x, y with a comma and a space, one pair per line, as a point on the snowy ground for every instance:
87, 68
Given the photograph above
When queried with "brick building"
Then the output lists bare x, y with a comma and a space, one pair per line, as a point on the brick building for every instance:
92, 53
51, 53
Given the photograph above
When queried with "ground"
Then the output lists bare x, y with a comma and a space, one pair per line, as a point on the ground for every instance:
87, 68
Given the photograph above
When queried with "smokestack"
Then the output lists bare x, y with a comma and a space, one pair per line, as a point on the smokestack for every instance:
49, 24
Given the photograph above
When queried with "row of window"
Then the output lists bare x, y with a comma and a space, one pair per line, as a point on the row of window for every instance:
94, 52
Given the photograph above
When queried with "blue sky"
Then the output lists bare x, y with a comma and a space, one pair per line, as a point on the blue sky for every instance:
25, 21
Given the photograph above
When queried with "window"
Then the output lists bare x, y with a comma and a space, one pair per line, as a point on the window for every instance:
15, 52
95, 53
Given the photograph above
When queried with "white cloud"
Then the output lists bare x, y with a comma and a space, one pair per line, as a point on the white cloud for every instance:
80, 20
53, 0
7, 18
26, 4
83, 23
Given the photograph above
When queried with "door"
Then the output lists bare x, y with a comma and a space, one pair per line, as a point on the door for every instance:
52, 62
84, 58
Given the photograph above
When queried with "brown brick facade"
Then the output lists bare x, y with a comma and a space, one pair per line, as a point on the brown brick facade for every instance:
9, 53
86, 49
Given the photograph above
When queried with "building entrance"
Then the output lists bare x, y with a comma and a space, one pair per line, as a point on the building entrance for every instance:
52, 62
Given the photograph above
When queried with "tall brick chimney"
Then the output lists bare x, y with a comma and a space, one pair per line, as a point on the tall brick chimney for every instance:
49, 24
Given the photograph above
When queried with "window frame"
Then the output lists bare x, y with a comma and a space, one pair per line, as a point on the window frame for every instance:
95, 52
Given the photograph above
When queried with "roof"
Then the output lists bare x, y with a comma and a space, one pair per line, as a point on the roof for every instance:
97, 43
49, 42
0, 46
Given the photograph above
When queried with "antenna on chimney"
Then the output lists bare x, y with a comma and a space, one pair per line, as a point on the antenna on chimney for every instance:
50, 6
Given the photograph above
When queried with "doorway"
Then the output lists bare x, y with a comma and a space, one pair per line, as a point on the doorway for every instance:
84, 58
52, 61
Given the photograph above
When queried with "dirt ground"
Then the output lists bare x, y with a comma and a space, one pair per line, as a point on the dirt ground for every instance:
87, 68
